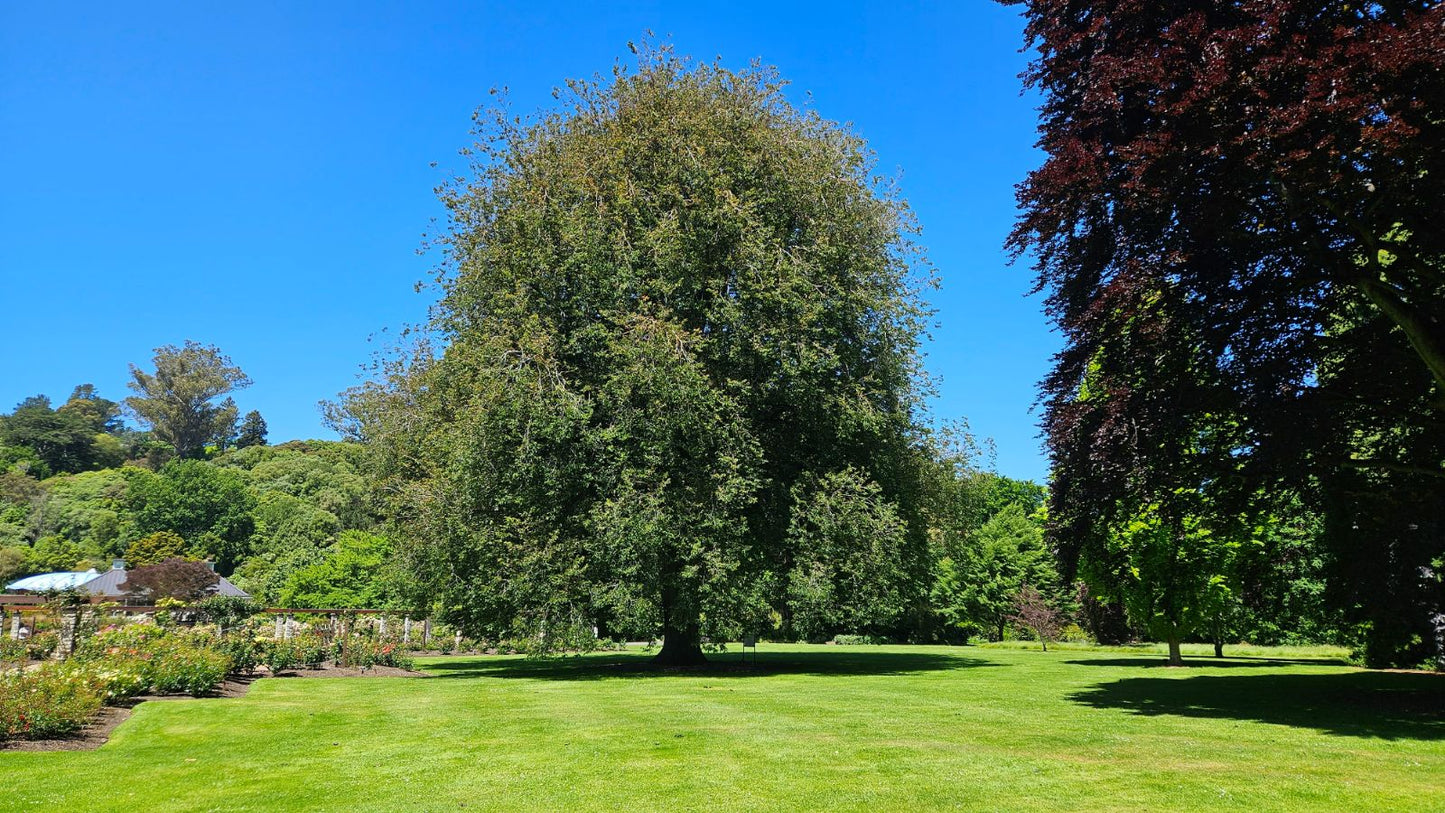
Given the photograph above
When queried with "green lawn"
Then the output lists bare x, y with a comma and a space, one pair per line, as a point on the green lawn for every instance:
853, 728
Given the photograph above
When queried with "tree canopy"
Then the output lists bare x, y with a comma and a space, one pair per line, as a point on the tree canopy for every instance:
1235, 226
178, 400
672, 310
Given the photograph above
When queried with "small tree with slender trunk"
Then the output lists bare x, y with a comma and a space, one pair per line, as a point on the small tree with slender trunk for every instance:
1033, 610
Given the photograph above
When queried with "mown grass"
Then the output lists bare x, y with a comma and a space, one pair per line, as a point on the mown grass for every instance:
848, 728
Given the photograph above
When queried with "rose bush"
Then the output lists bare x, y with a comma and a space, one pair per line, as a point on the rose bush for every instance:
51, 701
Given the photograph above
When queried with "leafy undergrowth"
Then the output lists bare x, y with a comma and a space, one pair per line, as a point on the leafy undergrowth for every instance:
850, 728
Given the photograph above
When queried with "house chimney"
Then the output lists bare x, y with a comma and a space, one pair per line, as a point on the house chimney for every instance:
117, 564
212, 566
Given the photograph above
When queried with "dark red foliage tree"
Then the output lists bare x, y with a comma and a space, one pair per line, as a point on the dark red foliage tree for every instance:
181, 579
1033, 611
1238, 230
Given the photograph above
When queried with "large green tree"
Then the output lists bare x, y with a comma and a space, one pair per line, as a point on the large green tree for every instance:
252, 431
208, 506
101, 414
63, 440
674, 311
178, 401
358, 571
978, 578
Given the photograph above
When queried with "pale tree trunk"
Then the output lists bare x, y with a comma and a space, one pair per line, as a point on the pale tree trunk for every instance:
1175, 657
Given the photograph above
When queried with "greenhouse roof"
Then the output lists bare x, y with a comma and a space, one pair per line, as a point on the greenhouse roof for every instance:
46, 582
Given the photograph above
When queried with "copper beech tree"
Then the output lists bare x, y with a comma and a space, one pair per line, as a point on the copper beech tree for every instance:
1237, 228
176, 578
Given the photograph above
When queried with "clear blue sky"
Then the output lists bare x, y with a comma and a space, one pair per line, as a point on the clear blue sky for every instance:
256, 175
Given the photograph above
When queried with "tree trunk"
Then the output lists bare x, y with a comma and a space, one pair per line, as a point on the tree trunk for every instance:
1175, 658
1218, 648
681, 644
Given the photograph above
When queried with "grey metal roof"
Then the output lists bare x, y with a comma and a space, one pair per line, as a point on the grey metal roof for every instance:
112, 585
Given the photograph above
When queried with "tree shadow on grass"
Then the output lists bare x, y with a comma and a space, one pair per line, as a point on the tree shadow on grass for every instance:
1386, 705
725, 665
1201, 662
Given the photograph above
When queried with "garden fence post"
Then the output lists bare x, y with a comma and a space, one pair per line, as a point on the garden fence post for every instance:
15, 625
68, 624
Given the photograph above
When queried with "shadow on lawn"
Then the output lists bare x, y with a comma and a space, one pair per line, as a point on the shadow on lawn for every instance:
725, 665
1204, 662
1387, 705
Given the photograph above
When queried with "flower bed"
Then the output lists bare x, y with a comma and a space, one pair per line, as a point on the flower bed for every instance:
366, 653
149, 659
37, 647
117, 663
307, 651
50, 701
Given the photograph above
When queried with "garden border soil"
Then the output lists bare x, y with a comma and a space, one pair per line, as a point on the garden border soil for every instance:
97, 732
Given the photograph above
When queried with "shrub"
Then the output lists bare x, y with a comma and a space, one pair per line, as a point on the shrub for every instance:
313, 650
245, 652
279, 656
189, 670
41, 645
512, 646
366, 653
12, 650
855, 640
114, 682
51, 701
170, 661
308, 651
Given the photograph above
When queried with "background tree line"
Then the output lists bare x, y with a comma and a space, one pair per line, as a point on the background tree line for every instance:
673, 385
292, 524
